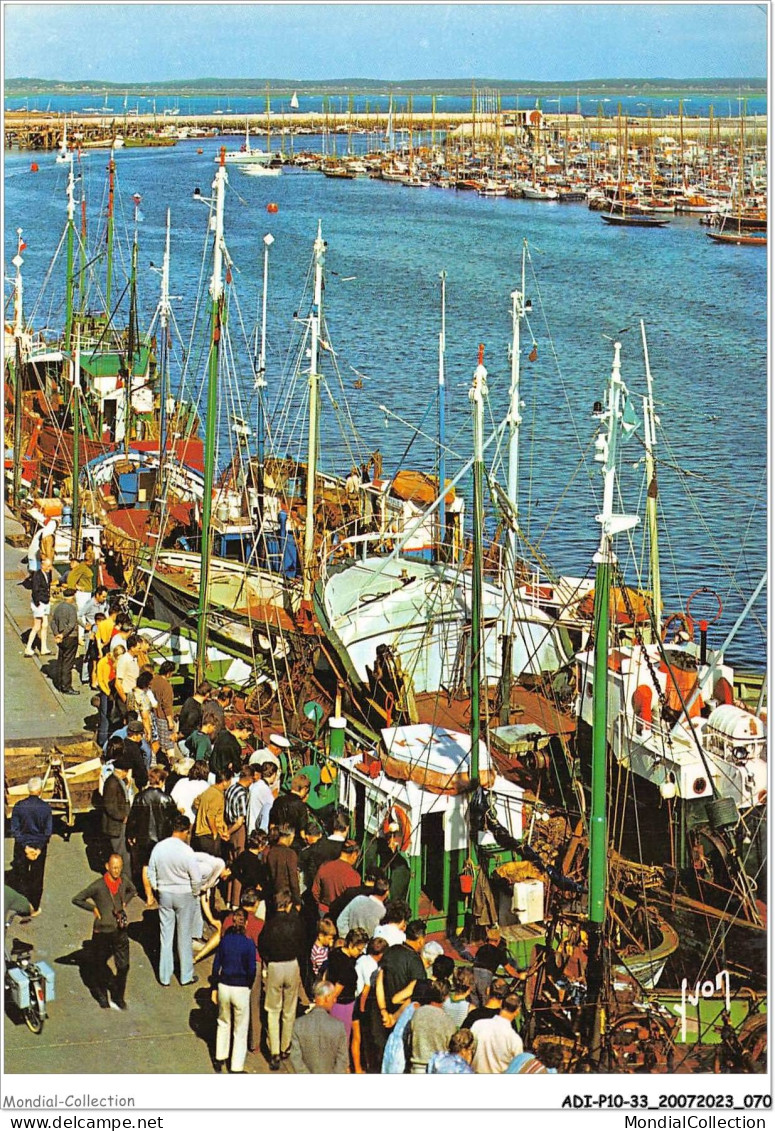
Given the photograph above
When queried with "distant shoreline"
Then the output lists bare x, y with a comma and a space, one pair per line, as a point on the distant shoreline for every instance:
658, 87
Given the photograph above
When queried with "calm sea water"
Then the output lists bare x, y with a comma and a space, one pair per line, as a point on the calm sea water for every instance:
695, 104
704, 307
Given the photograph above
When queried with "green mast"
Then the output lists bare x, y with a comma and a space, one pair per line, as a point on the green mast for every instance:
76, 369
315, 323
216, 315
606, 450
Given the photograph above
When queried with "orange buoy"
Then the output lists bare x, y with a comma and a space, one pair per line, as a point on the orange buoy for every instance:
272, 207
34, 167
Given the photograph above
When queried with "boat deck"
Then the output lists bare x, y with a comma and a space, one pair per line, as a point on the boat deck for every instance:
527, 707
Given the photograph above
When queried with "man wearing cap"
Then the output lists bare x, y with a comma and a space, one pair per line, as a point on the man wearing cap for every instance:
279, 746
260, 796
134, 752
138, 736
64, 628
115, 810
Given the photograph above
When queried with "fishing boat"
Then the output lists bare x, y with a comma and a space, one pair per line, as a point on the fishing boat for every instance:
88, 410
397, 622
479, 849
245, 566
696, 750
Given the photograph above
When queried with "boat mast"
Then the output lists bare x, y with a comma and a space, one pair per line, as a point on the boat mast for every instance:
510, 557
606, 449
18, 328
442, 550
476, 395
164, 323
76, 364
109, 237
319, 253
131, 345
70, 245
82, 257
260, 387
649, 436
216, 310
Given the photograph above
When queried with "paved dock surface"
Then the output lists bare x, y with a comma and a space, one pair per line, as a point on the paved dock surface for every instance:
168, 1029
32, 706
165, 1029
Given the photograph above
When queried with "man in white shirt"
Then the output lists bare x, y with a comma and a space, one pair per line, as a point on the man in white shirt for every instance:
174, 873
127, 670
393, 926
190, 785
496, 1041
260, 796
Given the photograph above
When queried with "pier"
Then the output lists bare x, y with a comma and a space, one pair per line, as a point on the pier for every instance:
36, 131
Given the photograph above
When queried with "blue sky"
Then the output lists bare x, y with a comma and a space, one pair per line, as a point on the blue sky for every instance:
549, 42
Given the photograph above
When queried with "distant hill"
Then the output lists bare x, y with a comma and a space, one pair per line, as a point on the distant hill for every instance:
255, 87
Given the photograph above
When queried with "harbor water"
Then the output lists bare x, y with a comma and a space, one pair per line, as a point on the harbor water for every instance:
704, 306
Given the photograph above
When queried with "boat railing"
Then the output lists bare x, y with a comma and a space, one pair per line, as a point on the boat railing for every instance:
349, 543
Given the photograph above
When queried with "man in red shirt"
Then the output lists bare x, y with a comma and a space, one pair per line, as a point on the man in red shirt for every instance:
336, 876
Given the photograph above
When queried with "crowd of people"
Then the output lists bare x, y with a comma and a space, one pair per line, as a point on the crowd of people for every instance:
315, 954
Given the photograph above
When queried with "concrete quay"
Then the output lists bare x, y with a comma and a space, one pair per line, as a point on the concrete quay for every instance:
166, 1029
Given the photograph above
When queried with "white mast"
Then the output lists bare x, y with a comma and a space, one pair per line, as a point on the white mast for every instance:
510, 557
649, 437
18, 288
319, 250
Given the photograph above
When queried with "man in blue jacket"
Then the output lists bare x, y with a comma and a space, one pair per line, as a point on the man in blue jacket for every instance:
31, 827
234, 971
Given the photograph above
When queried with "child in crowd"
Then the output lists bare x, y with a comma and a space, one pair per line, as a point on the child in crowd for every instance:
318, 956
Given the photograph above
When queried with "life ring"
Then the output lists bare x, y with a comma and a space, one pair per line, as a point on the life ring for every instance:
397, 822
713, 593
681, 618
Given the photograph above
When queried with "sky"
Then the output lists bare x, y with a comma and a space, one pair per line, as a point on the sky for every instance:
510, 41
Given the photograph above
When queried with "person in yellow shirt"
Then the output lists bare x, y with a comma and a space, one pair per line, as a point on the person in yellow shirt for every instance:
105, 673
